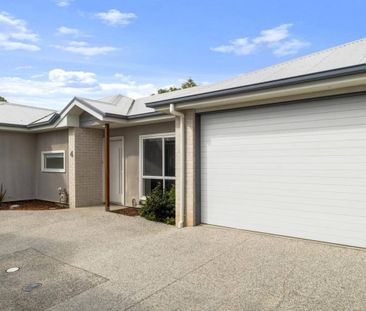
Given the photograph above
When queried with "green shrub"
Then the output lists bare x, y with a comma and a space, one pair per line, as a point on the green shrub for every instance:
160, 205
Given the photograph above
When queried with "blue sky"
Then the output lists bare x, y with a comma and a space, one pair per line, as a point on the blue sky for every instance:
52, 50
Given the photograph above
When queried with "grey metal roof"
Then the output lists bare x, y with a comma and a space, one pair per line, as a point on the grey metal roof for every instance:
16, 114
342, 56
118, 105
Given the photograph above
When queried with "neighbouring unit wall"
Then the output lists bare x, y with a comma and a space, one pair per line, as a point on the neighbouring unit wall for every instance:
47, 183
131, 137
17, 156
85, 167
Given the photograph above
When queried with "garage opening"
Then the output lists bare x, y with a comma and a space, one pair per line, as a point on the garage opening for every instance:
294, 169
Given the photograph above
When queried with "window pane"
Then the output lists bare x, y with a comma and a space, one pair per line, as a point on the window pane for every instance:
150, 184
152, 157
169, 183
169, 157
54, 161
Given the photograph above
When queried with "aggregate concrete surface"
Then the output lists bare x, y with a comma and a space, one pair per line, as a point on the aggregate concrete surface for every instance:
87, 259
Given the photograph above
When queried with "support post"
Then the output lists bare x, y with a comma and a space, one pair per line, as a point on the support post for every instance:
106, 167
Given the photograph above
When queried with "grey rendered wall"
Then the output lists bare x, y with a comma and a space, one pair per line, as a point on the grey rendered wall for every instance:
17, 155
131, 143
48, 183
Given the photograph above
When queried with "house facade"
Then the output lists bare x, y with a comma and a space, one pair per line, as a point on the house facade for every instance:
280, 150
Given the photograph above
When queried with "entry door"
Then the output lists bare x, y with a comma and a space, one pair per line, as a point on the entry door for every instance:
116, 171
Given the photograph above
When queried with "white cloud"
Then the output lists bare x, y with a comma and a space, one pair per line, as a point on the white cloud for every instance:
72, 77
83, 48
273, 39
63, 3
61, 85
63, 30
114, 17
241, 46
23, 67
15, 35
290, 47
273, 35
122, 77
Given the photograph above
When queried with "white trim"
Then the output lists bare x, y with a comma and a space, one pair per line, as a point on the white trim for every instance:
141, 177
52, 170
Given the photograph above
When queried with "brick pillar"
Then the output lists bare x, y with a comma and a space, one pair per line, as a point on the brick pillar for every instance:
72, 173
191, 165
85, 167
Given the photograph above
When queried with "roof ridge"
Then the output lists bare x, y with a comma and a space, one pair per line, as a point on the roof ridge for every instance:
29, 106
299, 58
95, 100
130, 108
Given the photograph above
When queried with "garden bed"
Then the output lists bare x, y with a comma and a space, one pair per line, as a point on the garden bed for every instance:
128, 211
31, 205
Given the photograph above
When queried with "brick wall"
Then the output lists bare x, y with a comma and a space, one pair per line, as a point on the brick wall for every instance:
85, 167
191, 218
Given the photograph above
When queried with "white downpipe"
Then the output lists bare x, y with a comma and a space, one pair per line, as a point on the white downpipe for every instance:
182, 163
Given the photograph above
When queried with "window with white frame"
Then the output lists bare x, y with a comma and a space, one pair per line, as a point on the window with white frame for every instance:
53, 161
157, 154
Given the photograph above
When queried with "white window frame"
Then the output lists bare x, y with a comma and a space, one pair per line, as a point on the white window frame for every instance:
52, 170
141, 160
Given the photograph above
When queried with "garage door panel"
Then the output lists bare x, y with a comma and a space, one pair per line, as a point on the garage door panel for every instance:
311, 208
293, 195
298, 179
305, 179
295, 222
294, 122
350, 107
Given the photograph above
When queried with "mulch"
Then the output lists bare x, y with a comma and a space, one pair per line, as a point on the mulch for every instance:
30, 205
127, 211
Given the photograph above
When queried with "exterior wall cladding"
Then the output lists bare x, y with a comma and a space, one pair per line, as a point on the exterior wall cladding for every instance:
85, 167
20, 165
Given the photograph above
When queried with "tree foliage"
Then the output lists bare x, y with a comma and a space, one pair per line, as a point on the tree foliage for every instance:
185, 85
2, 99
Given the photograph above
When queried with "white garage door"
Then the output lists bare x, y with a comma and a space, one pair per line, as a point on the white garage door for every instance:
296, 170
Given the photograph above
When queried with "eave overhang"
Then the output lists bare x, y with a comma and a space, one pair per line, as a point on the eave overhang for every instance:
316, 82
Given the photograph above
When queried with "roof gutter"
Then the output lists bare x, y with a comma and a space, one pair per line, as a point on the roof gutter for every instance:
242, 90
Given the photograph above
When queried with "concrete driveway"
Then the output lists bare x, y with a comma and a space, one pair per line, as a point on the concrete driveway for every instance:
87, 259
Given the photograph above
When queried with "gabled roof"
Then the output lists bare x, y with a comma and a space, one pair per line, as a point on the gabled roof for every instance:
343, 56
21, 115
118, 106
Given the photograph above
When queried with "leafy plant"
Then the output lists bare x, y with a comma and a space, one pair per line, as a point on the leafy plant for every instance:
2, 193
160, 205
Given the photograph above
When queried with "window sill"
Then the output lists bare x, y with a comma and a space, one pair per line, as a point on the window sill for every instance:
53, 171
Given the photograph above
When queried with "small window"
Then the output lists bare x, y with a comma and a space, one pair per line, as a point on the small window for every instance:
53, 161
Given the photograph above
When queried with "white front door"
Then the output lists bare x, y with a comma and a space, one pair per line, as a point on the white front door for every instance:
116, 171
